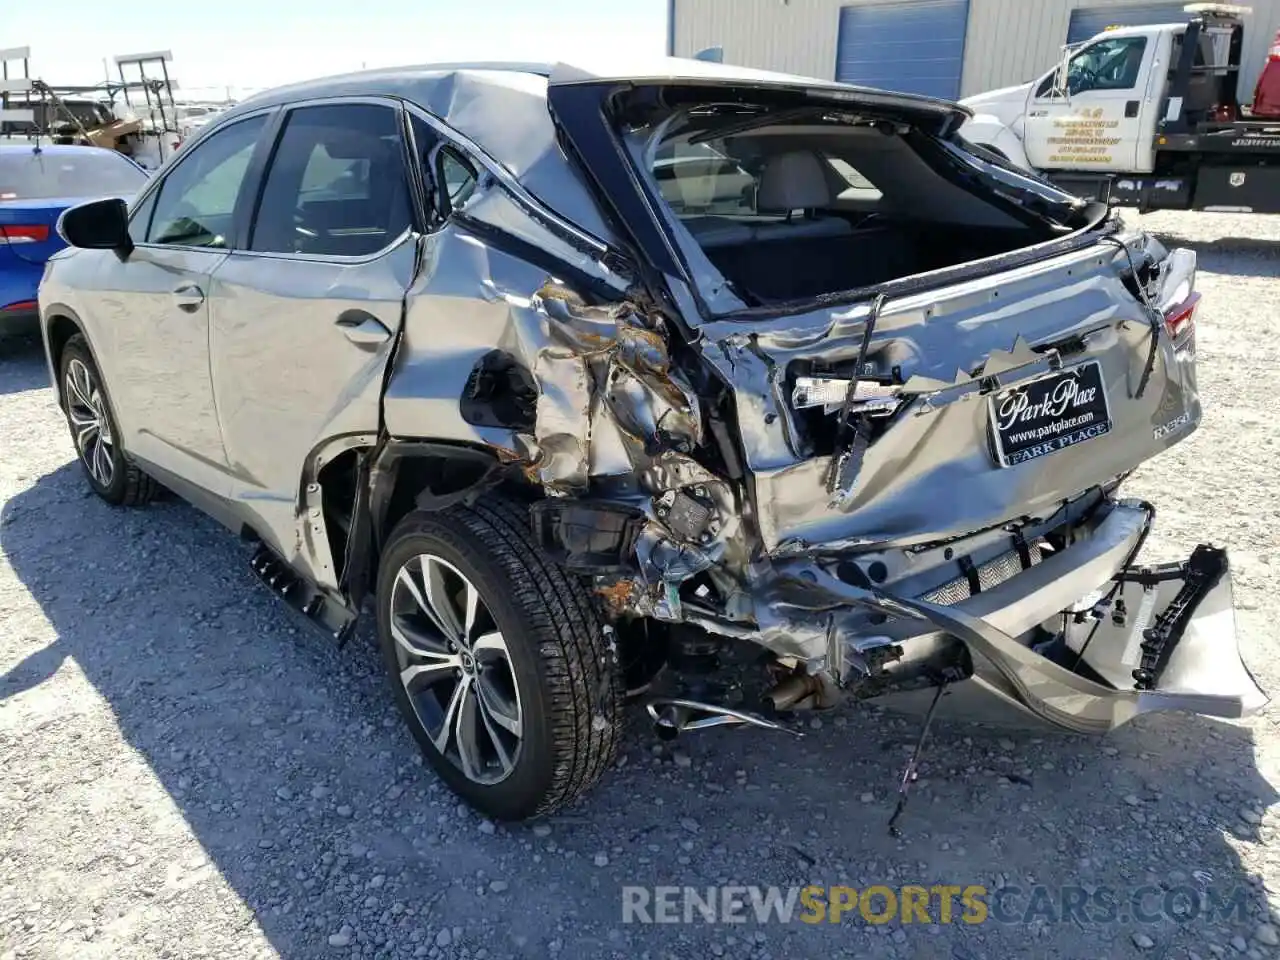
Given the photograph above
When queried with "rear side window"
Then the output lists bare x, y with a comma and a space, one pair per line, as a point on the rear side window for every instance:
198, 198
459, 176
336, 185
27, 175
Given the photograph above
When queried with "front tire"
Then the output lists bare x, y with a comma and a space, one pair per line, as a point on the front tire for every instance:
94, 432
498, 660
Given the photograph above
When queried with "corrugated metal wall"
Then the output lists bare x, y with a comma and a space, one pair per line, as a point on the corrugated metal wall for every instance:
916, 47
1087, 22
1009, 42
794, 37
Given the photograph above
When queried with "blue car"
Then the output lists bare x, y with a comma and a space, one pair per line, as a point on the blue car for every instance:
36, 185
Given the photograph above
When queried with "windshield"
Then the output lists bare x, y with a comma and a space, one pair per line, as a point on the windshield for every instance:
27, 175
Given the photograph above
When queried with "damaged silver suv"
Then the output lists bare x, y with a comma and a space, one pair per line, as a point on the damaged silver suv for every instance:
589, 381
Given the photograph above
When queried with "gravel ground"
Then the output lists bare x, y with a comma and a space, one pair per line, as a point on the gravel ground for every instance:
189, 772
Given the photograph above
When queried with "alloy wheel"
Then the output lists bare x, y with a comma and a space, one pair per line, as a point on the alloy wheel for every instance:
90, 425
456, 669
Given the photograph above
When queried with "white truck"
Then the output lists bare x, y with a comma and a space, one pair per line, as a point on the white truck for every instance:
1146, 116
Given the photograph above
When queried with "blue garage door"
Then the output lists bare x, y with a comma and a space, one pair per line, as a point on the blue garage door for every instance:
1088, 21
916, 46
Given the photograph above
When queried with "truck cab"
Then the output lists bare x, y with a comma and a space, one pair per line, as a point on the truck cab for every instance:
1147, 116
1097, 110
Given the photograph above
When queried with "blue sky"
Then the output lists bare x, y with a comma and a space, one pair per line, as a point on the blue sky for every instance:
249, 44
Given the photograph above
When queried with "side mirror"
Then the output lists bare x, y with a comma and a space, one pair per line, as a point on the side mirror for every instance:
97, 225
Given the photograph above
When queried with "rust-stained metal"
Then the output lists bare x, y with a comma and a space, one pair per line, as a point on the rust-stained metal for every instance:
618, 597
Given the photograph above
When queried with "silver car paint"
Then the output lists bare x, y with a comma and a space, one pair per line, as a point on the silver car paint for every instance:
277, 402
156, 355
290, 388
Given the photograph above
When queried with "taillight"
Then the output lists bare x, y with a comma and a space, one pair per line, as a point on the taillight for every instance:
24, 233
1180, 320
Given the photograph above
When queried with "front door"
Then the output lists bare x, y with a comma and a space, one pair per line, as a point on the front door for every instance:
303, 319
1095, 123
160, 335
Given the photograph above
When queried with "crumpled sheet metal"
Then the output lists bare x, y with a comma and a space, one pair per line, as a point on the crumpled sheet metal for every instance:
605, 378
610, 403
930, 475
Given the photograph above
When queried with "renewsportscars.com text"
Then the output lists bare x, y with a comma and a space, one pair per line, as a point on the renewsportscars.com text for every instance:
940, 903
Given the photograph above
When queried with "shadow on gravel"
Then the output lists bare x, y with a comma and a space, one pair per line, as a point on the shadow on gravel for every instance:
1231, 256
22, 365
288, 763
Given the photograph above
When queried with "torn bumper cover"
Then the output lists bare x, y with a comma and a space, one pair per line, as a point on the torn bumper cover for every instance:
1083, 640
1047, 616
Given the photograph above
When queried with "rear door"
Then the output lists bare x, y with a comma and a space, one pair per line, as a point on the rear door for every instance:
304, 316
1096, 124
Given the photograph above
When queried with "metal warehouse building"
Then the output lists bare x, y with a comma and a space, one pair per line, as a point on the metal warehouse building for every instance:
946, 48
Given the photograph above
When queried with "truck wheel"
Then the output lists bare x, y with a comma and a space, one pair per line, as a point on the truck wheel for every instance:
94, 432
499, 661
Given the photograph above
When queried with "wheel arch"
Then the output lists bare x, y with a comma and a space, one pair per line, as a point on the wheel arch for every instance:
398, 476
431, 475
59, 323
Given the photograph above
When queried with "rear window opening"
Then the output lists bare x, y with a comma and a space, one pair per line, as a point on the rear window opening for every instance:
792, 205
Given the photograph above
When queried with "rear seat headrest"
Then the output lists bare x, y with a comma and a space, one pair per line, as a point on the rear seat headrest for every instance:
793, 181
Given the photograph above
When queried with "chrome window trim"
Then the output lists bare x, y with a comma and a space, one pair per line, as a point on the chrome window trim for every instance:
325, 257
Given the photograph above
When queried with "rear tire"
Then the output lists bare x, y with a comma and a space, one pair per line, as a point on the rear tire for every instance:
94, 432
536, 658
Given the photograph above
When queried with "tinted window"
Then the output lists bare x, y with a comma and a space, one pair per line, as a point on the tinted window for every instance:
198, 197
459, 176
336, 185
27, 175
443, 162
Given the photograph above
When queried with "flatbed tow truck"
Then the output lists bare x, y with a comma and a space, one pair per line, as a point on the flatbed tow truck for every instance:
1147, 117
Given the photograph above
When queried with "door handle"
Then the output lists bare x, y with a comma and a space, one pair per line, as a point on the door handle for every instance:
188, 297
1131, 108
362, 328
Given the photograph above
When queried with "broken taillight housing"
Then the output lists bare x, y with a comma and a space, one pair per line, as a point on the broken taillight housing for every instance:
24, 233
1180, 320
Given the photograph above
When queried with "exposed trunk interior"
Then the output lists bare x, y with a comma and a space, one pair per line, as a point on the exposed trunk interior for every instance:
874, 251
789, 205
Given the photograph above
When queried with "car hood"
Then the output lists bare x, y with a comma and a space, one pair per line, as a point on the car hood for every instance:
1004, 103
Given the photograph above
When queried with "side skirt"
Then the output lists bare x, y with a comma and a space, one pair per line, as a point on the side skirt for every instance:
320, 609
